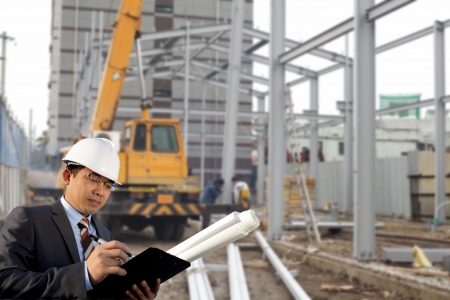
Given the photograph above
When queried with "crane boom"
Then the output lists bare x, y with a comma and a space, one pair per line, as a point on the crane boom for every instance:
127, 27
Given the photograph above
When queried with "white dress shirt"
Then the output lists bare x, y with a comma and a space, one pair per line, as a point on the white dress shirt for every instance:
74, 218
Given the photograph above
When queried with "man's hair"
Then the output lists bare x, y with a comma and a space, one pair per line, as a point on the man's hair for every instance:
72, 167
236, 178
219, 181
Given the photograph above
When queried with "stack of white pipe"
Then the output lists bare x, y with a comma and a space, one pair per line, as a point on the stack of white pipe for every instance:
199, 285
238, 283
225, 231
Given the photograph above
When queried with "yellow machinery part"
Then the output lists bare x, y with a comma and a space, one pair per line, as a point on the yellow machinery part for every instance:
123, 167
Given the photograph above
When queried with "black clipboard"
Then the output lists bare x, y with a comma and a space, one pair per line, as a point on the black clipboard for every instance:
150, 265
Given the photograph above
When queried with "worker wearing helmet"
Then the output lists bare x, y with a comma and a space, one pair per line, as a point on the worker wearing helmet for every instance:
45, 251
241, 192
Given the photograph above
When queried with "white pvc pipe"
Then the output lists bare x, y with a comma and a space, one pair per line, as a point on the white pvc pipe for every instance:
206, 233
237, 281
199, 285
249, 222
296, 290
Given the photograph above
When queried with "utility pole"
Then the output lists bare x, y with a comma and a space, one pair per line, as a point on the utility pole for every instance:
4, 38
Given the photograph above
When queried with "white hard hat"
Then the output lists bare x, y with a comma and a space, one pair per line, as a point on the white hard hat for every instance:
97, 154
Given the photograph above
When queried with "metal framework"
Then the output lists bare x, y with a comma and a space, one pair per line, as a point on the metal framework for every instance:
358, 109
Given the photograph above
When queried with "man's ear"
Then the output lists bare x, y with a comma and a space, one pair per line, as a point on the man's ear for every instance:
66, 176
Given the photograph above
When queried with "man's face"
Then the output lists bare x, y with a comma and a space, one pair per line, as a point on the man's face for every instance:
84, 195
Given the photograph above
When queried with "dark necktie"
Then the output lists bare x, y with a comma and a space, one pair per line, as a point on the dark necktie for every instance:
88, 244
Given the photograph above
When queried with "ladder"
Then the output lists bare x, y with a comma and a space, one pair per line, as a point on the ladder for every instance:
308, 213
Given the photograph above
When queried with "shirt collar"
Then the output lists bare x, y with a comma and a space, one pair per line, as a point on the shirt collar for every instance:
73, 215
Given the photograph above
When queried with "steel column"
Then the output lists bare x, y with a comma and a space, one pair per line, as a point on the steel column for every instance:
439, 119
99, 52
348, 138
261, 155
186, 91
314, 132
202, 152
229, 141
364, 133
277, 138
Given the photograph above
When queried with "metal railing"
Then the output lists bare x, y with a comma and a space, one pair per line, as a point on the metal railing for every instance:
13, 162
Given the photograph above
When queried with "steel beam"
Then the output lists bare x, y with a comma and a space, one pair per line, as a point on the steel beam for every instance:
178, 48
219, 69
186, 90
292, 285
264, 60
167, 45
202, 151
317, 41
314, 131
439, 119
198, 51
277, 137
229, 141
246, 91
390, 110
446, 99
405, 255
261, 155
326, 224
249, 50
384, 8
298, 81
264, 36
330, 69
364, 134
163, 74
319, 125
182, 32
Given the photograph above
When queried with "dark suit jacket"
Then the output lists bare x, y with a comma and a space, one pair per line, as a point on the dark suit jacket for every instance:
39, 256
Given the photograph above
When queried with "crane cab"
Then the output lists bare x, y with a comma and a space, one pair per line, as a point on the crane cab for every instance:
152, 152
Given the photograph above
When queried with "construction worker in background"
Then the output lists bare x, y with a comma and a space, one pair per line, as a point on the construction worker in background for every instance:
241, 192
210, 193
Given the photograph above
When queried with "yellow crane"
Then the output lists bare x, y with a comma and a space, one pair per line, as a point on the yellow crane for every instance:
156, 188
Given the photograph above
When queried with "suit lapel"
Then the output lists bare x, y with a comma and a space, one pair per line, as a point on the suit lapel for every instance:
102, 232
62, 222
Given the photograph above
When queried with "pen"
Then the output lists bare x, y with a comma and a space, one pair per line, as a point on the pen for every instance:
102, 241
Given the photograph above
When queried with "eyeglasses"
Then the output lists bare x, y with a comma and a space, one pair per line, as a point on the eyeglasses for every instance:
96, 180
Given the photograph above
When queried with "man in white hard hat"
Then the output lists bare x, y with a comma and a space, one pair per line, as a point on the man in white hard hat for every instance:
45, 251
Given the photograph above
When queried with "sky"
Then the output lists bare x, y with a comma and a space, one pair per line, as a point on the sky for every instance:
404, 70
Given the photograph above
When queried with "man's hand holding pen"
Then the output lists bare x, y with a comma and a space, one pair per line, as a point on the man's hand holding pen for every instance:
103, 261
106, 259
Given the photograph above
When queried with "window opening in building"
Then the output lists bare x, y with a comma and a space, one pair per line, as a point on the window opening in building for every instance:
168, 9
162, 93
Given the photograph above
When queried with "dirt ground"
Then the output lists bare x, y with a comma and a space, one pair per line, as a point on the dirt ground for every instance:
261, 281
342, 243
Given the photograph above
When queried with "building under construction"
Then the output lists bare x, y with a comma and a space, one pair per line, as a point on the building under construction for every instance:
350, 205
